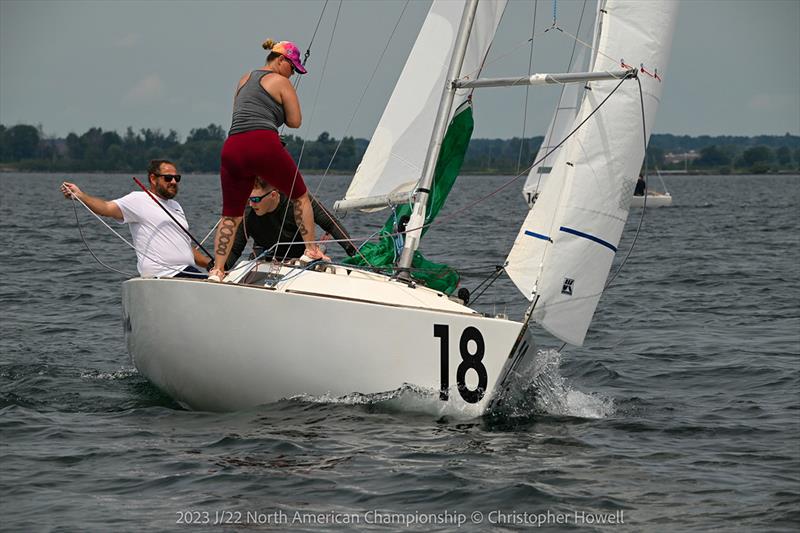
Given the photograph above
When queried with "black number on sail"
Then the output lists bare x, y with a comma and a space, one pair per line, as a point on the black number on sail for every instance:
469, 361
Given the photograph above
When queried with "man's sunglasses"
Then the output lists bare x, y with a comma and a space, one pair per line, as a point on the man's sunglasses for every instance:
169, 177
257, 199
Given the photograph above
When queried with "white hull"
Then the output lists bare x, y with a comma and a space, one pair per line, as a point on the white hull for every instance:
653, 200
317, 333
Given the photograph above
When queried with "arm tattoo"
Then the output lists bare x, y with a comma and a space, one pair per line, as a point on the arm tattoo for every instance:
298, 218
225, 235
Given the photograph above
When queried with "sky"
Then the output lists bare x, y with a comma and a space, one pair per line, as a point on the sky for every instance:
71, 65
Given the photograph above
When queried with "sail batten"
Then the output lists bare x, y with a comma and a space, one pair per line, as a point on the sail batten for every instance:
584, 203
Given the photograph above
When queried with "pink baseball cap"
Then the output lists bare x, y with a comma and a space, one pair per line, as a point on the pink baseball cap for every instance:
290, 51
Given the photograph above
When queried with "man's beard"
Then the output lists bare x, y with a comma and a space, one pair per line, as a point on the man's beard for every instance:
164, 192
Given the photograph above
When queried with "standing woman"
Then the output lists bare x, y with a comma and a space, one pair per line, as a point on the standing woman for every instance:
265, 99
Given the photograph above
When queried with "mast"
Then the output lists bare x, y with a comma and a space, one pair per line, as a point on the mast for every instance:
417, 220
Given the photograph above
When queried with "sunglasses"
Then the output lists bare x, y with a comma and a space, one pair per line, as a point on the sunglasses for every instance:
169, 177
257, 199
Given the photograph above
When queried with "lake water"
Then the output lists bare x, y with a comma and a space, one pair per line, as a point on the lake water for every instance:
680, 413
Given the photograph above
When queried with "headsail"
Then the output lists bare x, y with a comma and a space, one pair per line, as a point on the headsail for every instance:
393, 162
567, 109
565, 248
560, 125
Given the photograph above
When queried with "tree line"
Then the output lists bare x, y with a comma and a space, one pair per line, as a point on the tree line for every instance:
26, 147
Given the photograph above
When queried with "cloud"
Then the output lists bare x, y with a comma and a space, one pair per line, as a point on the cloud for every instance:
128, 40
147, 90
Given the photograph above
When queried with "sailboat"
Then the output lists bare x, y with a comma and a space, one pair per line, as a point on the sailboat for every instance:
653, 199
385, 333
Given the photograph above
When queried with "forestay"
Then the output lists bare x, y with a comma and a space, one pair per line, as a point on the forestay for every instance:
564, 250
393, 162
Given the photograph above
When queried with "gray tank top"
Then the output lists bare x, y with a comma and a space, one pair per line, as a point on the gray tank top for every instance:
254, 108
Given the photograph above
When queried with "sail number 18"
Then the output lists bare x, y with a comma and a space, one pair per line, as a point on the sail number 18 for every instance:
469, 361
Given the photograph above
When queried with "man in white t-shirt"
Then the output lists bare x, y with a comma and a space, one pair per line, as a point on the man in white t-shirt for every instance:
162, 248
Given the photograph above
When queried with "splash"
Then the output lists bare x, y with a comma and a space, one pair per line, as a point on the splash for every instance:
554, 396
539, 389
123, 373
407, 399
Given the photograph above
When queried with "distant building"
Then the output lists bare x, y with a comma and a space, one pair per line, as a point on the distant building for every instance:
673, 158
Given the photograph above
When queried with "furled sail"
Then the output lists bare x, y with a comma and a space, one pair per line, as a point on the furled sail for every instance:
393, 162
564, 250
567, 109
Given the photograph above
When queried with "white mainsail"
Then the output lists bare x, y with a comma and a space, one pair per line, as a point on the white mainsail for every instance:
393, 162
564, 116
564, 250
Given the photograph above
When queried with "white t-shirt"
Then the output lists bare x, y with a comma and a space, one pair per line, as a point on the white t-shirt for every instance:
162, 248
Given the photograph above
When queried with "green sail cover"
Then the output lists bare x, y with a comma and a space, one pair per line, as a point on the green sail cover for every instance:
385, 252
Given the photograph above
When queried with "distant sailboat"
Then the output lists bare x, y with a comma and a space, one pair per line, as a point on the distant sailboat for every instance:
654, 198
383, 333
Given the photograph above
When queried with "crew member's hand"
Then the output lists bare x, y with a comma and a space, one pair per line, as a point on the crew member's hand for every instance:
216, 274
314, 252
70, 190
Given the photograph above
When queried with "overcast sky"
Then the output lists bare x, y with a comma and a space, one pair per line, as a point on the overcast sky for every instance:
70, 65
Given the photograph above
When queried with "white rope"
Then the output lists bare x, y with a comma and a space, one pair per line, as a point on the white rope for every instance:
211, 231
123, 239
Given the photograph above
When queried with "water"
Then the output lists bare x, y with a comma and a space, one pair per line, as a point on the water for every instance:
681, 413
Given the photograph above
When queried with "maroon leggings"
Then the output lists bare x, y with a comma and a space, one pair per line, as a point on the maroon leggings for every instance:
256, 153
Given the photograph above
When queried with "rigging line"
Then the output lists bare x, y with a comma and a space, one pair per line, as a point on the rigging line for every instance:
527, 89
86, 244
494, 277
211, 230
308, 48
319, 21
661, 179
444, 218
355, 111
313, 111
524, 172
595, 49
123, 239
644, 205
486, 63
364, 92
561, 95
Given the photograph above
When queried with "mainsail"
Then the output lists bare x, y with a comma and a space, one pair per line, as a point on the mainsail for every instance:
393, 162
563, 252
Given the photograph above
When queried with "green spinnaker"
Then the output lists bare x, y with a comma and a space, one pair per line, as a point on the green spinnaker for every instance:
385, 252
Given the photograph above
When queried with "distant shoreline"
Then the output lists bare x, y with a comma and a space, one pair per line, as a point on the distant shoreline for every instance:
345, 174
